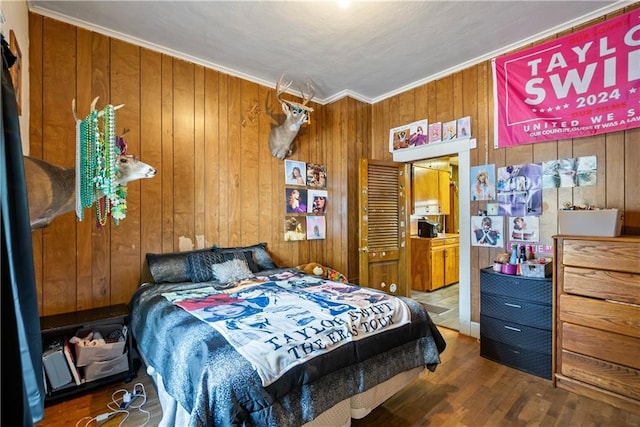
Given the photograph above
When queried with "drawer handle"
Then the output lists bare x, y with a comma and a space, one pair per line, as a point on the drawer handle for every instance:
511, 328
512, 305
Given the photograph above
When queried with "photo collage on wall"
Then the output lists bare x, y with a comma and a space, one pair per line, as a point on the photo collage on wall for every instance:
305, 201
514, 197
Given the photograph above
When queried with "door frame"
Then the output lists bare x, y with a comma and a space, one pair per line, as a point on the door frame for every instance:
462, 148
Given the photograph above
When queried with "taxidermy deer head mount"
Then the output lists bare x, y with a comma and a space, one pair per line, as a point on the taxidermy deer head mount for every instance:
282, 136
51, 189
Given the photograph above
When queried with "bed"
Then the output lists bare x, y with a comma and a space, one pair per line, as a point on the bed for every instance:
231, 339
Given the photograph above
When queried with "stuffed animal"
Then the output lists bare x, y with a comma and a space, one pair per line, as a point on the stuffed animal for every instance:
320, 270
314, 268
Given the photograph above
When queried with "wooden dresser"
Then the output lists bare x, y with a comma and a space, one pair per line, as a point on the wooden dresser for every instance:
597, 318
434, 262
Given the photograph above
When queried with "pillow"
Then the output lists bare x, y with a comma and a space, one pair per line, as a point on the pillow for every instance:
231, 271
246, 256
171, 267
199, 265
261, 257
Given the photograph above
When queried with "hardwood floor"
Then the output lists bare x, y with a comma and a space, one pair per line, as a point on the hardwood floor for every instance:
465, 390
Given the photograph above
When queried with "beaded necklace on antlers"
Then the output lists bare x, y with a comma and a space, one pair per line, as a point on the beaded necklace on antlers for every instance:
97, 169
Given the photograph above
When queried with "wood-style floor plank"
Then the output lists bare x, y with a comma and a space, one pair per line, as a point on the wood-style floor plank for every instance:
465, 390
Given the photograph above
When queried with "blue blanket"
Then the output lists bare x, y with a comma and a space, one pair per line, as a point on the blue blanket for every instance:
205, 373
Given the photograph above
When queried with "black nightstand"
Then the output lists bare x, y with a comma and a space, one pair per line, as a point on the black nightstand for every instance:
65, 325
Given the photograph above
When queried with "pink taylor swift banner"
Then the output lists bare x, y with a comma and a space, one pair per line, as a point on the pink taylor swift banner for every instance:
583, 84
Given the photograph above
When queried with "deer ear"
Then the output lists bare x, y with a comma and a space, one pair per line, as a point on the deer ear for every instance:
285, 107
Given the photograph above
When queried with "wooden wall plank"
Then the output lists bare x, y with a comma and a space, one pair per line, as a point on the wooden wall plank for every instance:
199, 206
125, 237
84, 243
183, 154
615, 154
150, 153
379, 132
59, 76
166, 170
249, 166
225, 182
234, 159
212, 157
406, 107
444, 99
100, 237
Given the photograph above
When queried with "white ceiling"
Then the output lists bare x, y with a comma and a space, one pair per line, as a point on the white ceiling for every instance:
370, 50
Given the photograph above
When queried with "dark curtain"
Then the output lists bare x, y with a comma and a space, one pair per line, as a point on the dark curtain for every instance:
22, 399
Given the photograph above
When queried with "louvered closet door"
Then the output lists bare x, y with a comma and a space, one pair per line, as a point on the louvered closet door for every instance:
383, 204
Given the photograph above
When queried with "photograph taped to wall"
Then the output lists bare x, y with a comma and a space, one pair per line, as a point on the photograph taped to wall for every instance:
519, 190
316, 227
295, 228
295, 200
482, 179
487, 231
294, 172
316, 175
575, 172
317, 201
409, 135
524, 228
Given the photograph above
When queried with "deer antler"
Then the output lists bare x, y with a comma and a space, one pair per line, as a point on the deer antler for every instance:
279, 90
73, 109
311, 93
93, 107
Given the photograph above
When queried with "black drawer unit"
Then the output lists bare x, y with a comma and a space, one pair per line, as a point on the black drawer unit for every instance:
55, 328
515, 321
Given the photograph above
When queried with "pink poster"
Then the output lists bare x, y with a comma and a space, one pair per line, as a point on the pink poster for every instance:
586, 83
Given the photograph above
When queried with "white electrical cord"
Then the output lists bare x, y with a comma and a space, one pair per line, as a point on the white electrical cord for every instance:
121, 405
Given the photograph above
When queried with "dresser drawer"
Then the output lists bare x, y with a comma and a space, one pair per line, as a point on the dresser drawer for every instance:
620, 254
516, 310
603, 284
615, 378
533, 362
515, 334
608, 316
604, 345
524, 288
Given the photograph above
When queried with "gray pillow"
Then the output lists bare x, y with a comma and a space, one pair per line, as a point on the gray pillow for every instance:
231, 271
199, 265
171, 267
261, 257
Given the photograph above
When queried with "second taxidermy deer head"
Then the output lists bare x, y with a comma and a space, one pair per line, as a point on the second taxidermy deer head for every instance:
282, 136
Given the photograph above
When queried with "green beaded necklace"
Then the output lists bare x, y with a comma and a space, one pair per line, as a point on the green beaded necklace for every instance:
96, 167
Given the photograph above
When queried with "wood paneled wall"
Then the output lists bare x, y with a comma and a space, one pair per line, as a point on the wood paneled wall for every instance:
470, 93
217, 181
